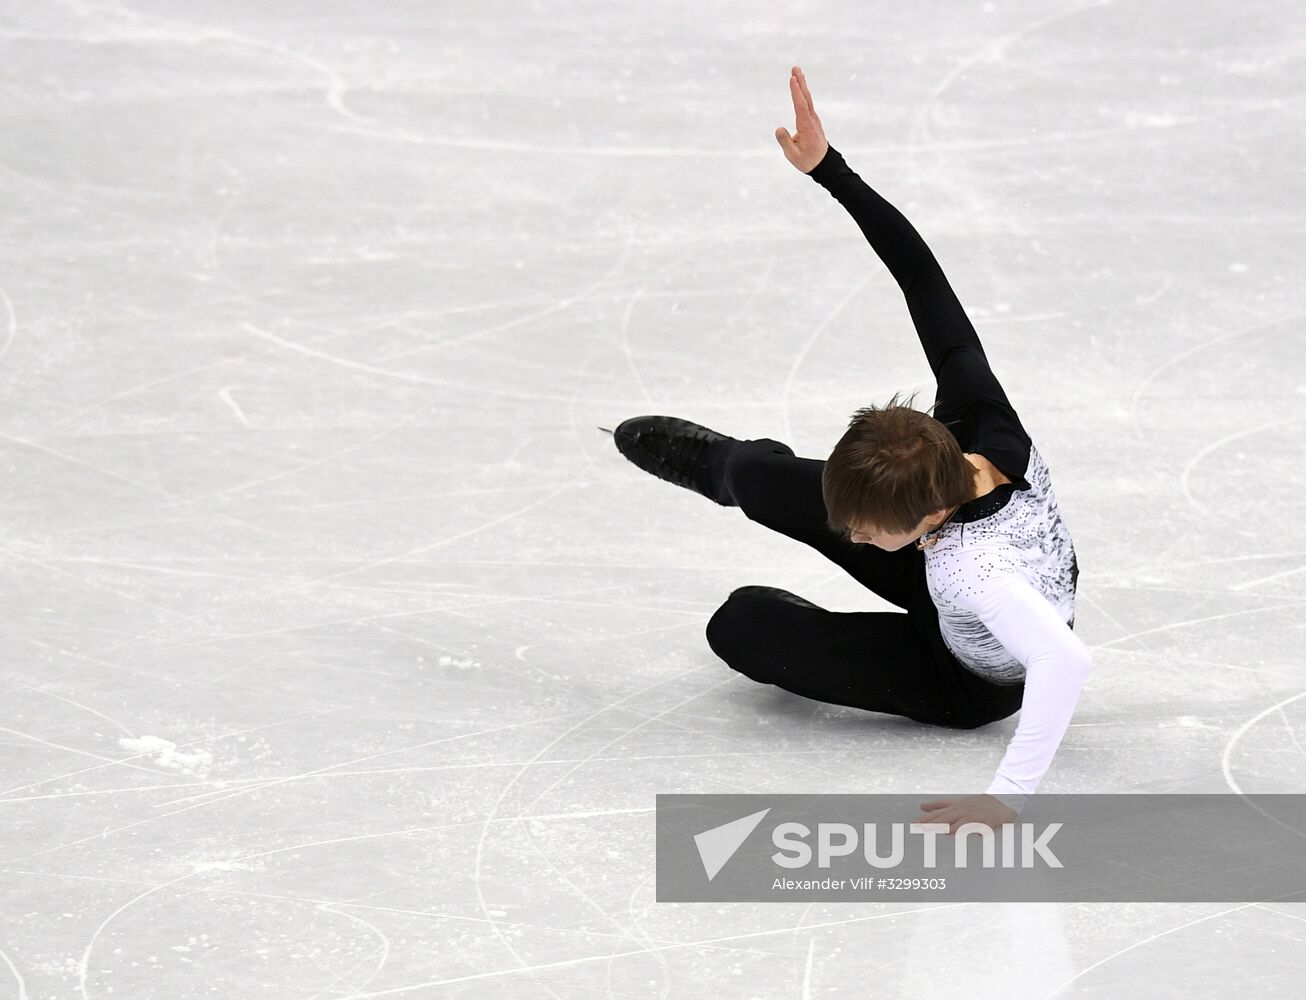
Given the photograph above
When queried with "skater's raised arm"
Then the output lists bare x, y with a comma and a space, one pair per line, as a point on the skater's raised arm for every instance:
951, 344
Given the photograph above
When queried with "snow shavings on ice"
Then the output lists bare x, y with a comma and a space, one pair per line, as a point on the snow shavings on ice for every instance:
165, 754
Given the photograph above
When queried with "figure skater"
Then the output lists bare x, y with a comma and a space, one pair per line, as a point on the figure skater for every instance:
949, 517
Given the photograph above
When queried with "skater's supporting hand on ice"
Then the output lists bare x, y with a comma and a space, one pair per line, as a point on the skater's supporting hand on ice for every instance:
806, 147
983, 809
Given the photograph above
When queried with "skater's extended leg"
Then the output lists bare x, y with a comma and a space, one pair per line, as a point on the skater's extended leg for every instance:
783, 492
772, 486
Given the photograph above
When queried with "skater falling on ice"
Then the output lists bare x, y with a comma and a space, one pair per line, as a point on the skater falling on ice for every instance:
950, 517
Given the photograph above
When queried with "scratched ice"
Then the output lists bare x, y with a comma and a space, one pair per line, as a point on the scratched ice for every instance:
343, 656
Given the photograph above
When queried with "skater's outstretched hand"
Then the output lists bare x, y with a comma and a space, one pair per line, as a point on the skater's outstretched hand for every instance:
984, 809
806, 147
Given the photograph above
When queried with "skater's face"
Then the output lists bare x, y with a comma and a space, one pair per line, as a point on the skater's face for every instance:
887, 540
892, 541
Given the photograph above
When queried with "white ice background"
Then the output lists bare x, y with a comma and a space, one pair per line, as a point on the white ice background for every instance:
343, 656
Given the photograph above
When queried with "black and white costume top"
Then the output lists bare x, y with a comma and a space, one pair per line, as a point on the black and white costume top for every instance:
1014, 531
1003, 571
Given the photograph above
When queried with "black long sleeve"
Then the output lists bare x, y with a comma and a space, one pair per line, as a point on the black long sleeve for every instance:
947, 336
899, 245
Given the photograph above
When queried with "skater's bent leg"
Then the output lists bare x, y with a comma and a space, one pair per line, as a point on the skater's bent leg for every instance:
776, 489
874, 660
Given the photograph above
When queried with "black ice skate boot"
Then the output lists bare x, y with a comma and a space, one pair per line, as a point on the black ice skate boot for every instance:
679, 451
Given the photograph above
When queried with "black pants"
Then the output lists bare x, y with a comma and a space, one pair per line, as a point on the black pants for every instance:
883, 661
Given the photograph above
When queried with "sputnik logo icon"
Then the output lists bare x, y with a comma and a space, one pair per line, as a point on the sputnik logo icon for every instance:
719, 844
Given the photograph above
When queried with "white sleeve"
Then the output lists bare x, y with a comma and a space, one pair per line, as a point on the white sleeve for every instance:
1056, 663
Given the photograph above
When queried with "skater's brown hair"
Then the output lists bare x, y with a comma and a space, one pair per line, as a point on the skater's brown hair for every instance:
893, 467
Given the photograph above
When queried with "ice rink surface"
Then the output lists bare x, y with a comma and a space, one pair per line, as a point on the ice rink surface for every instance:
343, 656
